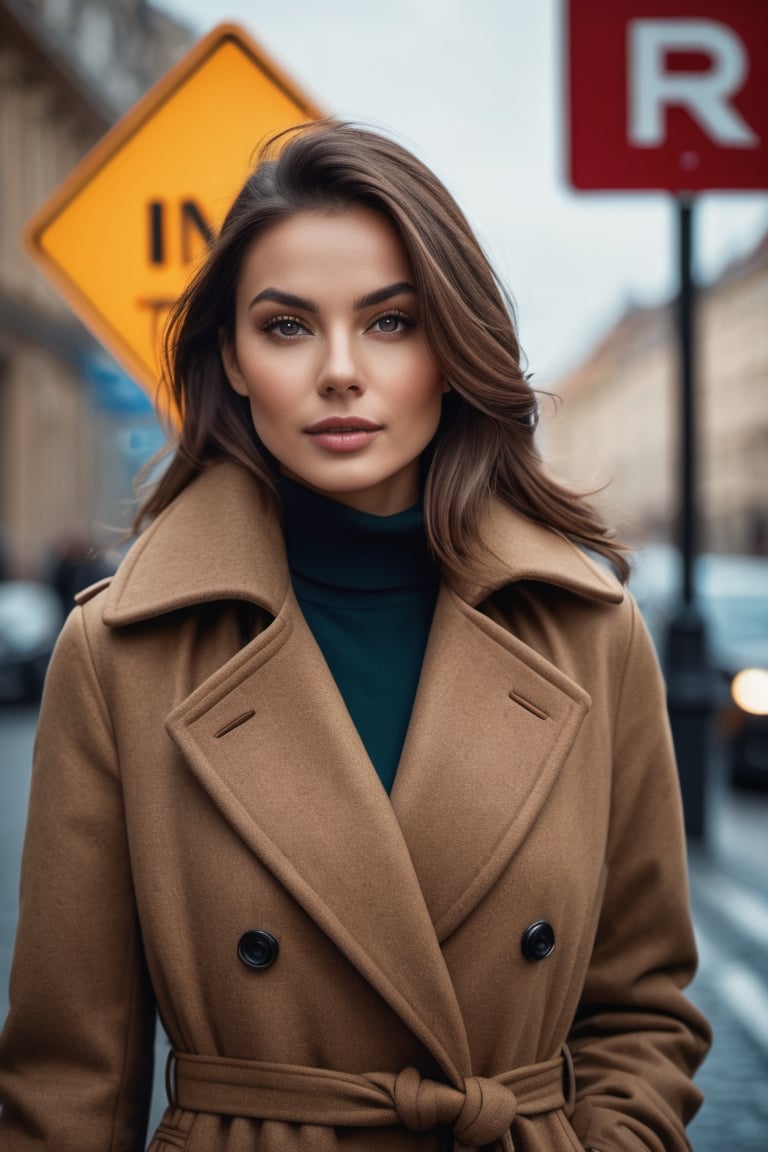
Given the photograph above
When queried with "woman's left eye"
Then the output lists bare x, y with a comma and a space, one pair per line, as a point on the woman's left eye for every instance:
391, 323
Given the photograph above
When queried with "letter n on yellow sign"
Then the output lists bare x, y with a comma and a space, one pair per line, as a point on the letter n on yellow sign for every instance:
121, 237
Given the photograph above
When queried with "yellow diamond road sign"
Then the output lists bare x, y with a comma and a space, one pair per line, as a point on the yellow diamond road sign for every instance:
121, 236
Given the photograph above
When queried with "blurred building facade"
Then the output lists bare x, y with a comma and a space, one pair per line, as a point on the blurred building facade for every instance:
72, 426
616, 429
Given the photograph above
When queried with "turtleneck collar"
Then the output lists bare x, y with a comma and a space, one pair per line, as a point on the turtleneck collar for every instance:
330, 543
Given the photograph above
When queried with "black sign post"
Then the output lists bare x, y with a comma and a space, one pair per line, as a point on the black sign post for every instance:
687, 667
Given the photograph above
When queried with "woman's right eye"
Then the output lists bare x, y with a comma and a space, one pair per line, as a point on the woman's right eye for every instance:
285, 327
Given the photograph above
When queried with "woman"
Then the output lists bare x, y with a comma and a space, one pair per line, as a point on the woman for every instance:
376, 804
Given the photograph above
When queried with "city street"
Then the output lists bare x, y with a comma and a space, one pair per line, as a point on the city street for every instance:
729, 881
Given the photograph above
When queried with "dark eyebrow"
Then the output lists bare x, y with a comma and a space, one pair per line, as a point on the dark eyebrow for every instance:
382, 294
287, 299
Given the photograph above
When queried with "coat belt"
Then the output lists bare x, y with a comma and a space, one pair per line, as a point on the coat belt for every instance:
479, 1112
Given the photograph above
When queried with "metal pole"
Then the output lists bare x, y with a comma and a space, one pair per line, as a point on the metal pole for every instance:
685, 323
686, 660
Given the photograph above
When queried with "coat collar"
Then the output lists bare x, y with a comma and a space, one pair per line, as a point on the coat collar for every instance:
219, 540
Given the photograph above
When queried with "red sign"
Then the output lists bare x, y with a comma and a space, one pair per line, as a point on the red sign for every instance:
668, 94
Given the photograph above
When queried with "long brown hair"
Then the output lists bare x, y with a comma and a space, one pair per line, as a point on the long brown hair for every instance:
484, 446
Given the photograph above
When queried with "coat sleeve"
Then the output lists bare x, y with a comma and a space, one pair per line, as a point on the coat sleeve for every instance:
76, 1052
637, 1040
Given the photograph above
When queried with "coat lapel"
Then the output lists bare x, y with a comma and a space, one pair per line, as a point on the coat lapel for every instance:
491, 727
269, 738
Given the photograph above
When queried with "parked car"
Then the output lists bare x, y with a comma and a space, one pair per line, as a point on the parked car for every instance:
732, 594
30, 619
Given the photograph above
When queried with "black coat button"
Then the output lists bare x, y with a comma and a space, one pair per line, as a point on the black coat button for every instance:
538, 940
258, 949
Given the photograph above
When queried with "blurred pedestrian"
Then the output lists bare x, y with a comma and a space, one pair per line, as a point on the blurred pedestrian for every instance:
360, 768
75, 564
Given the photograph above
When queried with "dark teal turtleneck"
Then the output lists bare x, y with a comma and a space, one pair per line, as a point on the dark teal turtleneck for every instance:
367, 586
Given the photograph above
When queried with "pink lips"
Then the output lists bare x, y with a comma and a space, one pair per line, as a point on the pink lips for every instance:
343, 433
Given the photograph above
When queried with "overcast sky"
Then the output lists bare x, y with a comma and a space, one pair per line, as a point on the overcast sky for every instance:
474, 88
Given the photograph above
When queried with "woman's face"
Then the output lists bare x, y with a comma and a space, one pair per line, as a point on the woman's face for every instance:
330, 351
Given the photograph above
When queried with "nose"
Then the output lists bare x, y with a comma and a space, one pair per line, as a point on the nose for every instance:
339, 371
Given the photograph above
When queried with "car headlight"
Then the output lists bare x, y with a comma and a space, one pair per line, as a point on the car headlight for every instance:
749, 689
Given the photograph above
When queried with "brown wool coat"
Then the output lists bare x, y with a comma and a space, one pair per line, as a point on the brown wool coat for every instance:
197, 776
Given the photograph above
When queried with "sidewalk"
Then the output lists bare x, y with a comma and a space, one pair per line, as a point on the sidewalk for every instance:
731, 988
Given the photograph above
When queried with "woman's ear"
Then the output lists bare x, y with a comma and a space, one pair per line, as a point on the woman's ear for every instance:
231, 364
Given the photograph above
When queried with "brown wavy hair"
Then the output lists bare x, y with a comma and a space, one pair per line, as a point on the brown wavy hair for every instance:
484, 446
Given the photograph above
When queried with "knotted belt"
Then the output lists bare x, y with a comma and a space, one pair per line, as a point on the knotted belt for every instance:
479, 1112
